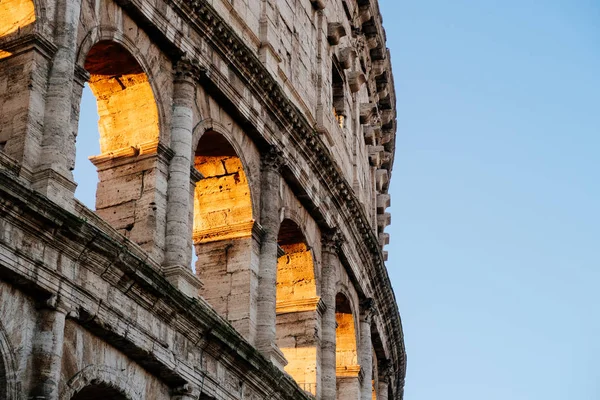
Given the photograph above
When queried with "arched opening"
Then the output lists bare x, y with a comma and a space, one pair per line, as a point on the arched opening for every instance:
222, 233
99, 391
126, 104
132, 174
346, 356
297, 307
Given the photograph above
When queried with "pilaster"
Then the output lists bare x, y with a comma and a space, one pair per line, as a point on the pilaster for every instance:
47, 349
177, 261
331, 246
365, 356
270, 204
53, 176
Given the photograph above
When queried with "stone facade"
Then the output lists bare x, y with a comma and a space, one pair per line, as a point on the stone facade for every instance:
258, 134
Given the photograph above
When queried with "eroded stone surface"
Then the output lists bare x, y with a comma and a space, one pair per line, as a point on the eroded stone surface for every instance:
261, 134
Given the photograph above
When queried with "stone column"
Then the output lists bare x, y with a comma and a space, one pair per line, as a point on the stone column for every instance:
53, 175
331, 245
47, 349
270, 205
177, 262
385, 374
365, 355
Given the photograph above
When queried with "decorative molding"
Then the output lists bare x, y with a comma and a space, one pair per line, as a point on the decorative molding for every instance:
272, 159
187, 69
332, 241
130, 154
227, 232
301, 305
348, 371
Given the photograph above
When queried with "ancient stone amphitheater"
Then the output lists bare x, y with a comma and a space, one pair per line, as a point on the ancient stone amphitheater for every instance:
260, 134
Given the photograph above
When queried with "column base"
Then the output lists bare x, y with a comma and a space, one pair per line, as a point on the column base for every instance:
183, 279
274, 354
55, 187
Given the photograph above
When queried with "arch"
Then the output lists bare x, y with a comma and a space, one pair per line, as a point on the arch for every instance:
132, 165
9, 386
295, 267
212, 126
222, 200
126, 103
99, 391
297, 306
223, 232
346, 355
99, 382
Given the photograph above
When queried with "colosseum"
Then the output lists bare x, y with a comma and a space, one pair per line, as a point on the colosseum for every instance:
236, 248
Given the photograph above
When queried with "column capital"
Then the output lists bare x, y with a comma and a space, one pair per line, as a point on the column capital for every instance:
367, 309
332, 241
57, 303
185, 392
186, 69
384, 369
272, 159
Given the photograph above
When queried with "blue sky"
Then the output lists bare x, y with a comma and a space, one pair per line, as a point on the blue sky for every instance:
495, 235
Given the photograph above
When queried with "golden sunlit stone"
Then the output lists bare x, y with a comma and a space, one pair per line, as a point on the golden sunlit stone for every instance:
222, 199
15, 15
126, 103
297, 304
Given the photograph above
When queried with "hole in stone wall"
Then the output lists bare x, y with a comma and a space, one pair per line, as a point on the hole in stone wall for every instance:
88, 144
338, 94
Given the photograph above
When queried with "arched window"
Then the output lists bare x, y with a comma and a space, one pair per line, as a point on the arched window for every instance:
132, 174
126, 104
223, 225
346, 356
297, 307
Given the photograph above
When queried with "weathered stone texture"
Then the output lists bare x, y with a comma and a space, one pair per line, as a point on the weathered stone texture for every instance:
258, 133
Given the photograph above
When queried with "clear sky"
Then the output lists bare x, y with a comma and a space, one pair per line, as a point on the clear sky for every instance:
495, 239
495, 236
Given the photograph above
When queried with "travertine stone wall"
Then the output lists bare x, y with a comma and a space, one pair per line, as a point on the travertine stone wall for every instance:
261, 133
